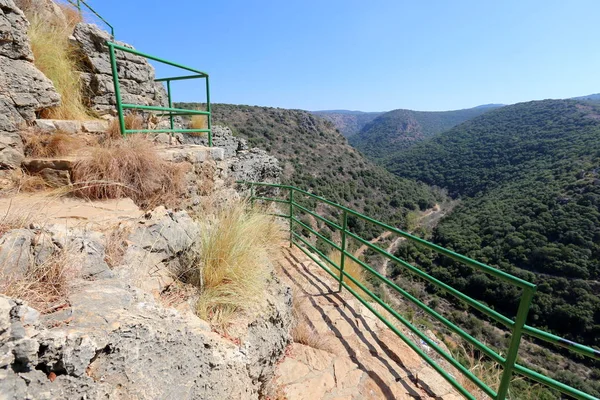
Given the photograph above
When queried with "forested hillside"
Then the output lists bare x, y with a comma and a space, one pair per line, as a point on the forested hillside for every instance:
315, 157
347, 122
529, 176
398, 130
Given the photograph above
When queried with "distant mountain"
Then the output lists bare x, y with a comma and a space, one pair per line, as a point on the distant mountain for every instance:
315, 157
590, 97
398, 130
348, 122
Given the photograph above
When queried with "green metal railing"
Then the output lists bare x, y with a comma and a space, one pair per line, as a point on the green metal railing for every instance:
517, 326
78, 3
170, 111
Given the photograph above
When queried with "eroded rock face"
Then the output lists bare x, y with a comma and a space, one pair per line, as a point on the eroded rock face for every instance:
25, 90
243, 163
115, 341
136, 75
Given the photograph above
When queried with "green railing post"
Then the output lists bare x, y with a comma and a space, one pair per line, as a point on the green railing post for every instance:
515, 342
343, 256
115, 72
79, 6
209, 117
291, 216
170, 106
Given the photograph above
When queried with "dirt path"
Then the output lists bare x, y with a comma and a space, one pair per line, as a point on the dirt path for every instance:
356, 356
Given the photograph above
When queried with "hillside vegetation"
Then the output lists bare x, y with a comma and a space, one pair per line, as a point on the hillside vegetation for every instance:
347, 122
398, 130
315, 157
529, 178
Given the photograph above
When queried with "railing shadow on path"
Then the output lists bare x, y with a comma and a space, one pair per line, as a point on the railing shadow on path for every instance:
351, 316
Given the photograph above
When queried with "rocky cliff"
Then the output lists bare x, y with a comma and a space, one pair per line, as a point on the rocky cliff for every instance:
136, 75
25, 90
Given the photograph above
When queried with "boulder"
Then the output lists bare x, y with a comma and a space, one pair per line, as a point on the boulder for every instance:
136, 75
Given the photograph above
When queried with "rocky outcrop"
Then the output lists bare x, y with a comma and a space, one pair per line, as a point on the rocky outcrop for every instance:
136, 75
243, 163
25, 89
113, 339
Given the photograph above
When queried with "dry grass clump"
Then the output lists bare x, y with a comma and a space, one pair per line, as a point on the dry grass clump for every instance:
72, 15
57, 58
198, 122
18, 181
302, 332
132, 121
45, 144
129, 168
115, 246
351, 268
233, 262
43, 285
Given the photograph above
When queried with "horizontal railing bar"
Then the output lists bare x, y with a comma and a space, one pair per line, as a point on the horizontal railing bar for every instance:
277, 185
167, 130
270, 199
559, 341
164, 109
112, 30
319, 253
413, 346
179, 78
449, 253
489, 352
544, 380
173, 114
329, 242
139, 53
459, 257
317, 216
467, 299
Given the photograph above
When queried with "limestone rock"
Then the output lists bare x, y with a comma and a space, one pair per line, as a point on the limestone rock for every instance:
136, 75
15, 252
25, 90
222, 138
255, 165
11, 149
55, 178
47, 10
14, 42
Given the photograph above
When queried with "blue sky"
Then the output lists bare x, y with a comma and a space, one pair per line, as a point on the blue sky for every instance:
370, 55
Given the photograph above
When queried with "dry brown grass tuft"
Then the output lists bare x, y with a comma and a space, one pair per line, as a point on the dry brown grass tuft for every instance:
57, 58
129, 168
115, 246
44, 144
43, 285
302, 331
19, 181
132, 121
72, 14
234, 259
198, 122
352, 268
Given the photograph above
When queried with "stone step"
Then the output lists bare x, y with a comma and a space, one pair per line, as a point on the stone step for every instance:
191, 153
56, 171
72, 126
